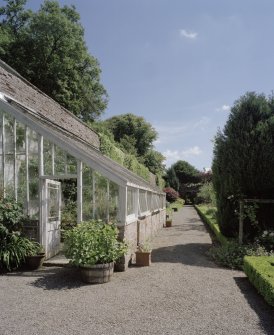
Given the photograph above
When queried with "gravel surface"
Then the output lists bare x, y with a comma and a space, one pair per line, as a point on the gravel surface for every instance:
183, 292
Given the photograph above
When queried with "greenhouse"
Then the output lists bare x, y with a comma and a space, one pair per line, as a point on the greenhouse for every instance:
47, 153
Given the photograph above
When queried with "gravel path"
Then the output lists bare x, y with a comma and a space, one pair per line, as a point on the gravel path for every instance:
183, 292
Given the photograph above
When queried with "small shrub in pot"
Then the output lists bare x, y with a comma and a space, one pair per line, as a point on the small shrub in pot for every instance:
94, 245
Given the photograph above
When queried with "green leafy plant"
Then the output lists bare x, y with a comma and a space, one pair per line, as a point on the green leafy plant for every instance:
232, 254
11, 213
145, 246
15, 248
93, 242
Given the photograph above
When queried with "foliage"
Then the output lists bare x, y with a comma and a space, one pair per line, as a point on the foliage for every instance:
185, 172
232, 254
126, 126
243, 162
93, 242
266, 239
208, 215
145, 246
206, 194
110, 149
14, 248
11, 213
172, 179
153, 160
48, 49
171, 194
260, 272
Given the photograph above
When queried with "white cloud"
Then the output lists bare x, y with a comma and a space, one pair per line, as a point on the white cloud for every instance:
188, 34
173, 156
224, 108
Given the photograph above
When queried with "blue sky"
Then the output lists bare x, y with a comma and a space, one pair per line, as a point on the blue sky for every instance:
180, 64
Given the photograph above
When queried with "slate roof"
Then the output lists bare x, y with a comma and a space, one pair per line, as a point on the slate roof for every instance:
19, 89
44, 111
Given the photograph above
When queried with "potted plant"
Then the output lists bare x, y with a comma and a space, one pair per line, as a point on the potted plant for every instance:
93, 247
143, 254
169, 223
35, 256
15, 247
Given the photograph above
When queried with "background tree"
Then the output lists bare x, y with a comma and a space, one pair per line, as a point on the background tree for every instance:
48, 49
243, 162
186, 173
135, 127
172, 179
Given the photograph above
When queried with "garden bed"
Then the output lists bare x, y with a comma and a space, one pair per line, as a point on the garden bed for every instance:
207, 214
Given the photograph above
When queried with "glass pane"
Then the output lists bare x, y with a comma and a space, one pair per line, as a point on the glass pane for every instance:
60, 161
130, 201
21, 179
87, 201
1, 175
47, 147
9, 134
9, 174
71, 164
33, 161
149, 201
20, 138
53, 202
1, 130
33, 142
143, 201
101, 197
113, 201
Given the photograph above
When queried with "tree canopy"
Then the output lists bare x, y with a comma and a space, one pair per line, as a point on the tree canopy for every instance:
136, 128
243, 158
186, 173
48, 49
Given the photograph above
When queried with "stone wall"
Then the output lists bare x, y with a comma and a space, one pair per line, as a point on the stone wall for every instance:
138, 232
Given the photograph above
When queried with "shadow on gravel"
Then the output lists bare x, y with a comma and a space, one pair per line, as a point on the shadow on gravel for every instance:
256, 302
58, 279
189, 254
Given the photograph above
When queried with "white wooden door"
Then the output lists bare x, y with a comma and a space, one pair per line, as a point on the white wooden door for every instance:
51, 216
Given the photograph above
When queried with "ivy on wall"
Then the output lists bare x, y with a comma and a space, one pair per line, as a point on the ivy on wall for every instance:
130, 162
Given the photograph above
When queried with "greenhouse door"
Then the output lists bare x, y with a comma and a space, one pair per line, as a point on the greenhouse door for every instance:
51, 216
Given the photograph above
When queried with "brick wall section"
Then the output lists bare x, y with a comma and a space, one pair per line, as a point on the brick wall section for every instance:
138, 232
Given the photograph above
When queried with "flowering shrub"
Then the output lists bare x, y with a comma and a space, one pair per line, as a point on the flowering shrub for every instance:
171, 194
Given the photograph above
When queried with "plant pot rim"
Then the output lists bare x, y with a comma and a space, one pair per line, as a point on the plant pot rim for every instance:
100, 265
143, 252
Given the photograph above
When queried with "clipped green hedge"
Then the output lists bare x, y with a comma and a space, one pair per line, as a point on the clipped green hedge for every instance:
209, 218
260, 272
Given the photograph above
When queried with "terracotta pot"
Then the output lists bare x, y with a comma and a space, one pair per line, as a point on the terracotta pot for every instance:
168, 223
96, 274
143, 258
36, 261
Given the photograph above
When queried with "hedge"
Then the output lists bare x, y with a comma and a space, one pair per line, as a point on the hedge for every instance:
212, 223
260, 272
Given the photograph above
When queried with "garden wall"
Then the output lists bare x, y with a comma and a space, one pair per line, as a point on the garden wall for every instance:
138, 232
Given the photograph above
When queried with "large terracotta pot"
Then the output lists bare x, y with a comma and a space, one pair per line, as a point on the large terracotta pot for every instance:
96, 274
168, 223
143, 258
